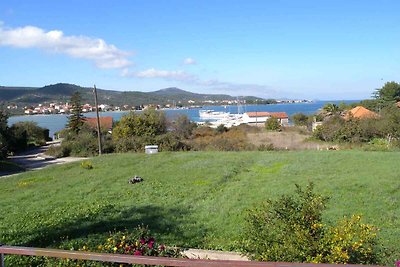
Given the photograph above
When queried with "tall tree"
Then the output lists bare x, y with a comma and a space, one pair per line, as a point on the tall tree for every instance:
389, 92
4, 133
75, 120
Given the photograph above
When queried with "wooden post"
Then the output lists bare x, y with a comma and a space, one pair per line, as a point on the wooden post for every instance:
98, 119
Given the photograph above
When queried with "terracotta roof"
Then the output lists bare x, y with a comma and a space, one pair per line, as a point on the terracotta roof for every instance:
279, 115
360, 113
105, 122
258, 114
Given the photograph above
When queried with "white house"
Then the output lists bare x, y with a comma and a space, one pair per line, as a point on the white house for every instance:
259, 118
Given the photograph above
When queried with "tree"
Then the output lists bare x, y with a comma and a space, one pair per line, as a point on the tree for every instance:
389, 92
300, 119
272, 124
150, 123
4, 133
183, 127
75, 120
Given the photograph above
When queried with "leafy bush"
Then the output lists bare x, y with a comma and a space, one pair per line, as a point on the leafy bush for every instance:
300, 119
27, 133
291, 229
147, 124
350, 241
82, 144
272, 124
87, 165
234, 139
59, 151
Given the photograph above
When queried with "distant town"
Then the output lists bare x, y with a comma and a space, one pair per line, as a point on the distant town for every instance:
65, 108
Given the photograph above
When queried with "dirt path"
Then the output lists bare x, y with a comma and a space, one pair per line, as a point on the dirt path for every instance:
35, 159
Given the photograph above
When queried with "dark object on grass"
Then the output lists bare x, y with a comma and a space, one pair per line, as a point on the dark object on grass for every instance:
136, 179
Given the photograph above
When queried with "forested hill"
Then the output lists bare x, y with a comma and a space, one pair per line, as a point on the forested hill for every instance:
62, 92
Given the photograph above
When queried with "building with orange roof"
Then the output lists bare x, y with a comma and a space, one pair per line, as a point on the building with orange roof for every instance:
360, 112
105, 122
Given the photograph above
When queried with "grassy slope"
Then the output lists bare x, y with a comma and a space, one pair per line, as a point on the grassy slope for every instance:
193, 199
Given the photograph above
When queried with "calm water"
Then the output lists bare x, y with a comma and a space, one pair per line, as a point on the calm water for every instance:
57, 122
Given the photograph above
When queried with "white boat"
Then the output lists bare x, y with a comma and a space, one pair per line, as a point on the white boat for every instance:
211, 114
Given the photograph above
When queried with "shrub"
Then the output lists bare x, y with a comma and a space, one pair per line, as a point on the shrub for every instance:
300, 119
291, 229
59, 151
272, 124
350, 241
87, 165
287, 229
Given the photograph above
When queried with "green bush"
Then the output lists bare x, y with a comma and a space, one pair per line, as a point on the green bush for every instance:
87, 165
291, 229
25, 134
272, 124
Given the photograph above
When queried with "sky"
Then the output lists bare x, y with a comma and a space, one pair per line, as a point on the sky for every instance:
328, 50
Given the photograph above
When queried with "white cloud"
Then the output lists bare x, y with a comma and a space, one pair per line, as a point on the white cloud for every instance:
176, 75
215, 85
94, 49
189, 61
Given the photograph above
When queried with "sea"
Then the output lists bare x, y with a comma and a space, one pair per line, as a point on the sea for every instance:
57, 122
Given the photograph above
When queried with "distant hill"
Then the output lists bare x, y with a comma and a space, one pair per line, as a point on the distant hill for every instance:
62, 92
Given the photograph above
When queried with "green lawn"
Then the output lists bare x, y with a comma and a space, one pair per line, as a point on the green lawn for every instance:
193, 199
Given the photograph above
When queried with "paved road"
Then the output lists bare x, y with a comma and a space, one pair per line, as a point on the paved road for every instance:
35, 158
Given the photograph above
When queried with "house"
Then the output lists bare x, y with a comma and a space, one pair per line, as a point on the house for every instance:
259, 118
282, 117
105, 122
360, 112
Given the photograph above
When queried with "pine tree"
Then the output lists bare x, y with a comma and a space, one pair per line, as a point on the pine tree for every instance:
75, 120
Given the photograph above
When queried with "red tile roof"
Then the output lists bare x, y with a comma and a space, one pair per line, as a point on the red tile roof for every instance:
258, 114
279, 115
360, 113
105, 122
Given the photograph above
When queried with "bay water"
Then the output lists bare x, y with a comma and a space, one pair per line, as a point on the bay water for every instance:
57, 122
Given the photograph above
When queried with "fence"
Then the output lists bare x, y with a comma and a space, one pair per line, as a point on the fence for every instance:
131, 259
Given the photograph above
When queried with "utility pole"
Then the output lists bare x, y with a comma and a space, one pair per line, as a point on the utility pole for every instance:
98, 119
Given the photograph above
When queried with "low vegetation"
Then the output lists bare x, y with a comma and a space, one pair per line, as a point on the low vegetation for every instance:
188, 205
291, 229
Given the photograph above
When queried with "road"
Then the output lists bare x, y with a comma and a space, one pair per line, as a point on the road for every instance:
35, 159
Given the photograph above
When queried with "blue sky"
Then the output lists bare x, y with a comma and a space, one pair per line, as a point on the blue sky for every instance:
280, 49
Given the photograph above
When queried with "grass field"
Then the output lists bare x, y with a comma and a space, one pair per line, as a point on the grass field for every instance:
193, 199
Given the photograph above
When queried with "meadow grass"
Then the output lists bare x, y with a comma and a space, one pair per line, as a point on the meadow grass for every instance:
193, 199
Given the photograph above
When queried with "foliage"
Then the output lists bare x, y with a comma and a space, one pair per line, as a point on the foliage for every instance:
221, 129
272, 124
350, 241
290, 229
178, 197
362, 131
88, 165
390, 92
183, 127
82, 144
4, 133
75, 120
149, 123
26, 134
300, 119
287, 229
233, 139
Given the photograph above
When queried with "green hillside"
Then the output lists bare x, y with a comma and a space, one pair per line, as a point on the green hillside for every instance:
193, 199
62, 92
